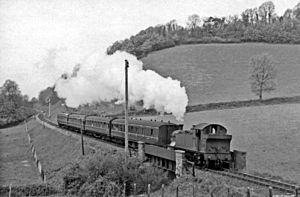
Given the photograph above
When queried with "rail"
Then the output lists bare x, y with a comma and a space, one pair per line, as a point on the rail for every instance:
281, 186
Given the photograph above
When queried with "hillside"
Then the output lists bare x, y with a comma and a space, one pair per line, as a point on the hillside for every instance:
260, 24
220, 72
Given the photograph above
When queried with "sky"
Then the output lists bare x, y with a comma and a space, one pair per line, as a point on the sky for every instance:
41, 39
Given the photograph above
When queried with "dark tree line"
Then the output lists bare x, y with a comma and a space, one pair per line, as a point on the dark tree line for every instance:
260, 24
14, 106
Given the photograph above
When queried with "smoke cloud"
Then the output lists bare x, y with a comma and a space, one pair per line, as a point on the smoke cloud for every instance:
102, 78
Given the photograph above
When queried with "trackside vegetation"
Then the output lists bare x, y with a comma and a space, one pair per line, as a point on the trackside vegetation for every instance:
14, 107
105, 173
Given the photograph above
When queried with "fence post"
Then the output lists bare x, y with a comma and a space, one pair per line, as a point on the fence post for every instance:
124, 190
228, 191
9, 194
177, 191
134, 189
162, 190
270, 191
194, 190
149, 190
26, 128
193, 169
296, 192
248, 192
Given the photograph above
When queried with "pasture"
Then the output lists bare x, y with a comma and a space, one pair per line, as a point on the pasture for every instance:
220, 72
269, 134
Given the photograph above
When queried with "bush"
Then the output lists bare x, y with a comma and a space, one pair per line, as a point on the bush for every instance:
104, 174
28, 190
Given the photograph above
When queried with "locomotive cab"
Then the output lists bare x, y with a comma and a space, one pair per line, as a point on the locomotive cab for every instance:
206, 144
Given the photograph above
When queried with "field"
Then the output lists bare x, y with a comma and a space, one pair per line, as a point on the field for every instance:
269, 134
17, 165
220, 72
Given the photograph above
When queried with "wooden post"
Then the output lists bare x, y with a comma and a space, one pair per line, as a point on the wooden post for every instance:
124, 190
134, 190
26, 128
82, 143
126, 110
193, 169
296, 192
177, 191
49, 100
9, 193
163, 190
248, 192
270, 191
194, 190
149, 190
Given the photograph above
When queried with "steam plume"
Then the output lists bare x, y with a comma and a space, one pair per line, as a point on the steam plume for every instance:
101, 77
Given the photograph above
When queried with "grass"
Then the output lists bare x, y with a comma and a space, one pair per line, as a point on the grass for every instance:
219, 72
55, 151
17, 166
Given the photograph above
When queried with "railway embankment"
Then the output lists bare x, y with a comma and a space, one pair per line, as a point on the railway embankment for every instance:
56, 151
20, 170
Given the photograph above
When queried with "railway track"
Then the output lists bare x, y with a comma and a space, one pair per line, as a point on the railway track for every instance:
278, 185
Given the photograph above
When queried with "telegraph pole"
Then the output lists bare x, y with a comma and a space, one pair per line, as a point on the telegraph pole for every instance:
49, 100
81, 132
126, 110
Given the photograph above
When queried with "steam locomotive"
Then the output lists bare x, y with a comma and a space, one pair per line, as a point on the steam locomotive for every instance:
207, 145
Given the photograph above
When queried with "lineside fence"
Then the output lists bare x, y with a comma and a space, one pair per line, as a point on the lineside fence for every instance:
33, 151
216, 192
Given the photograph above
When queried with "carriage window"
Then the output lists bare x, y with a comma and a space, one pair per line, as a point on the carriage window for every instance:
151, 131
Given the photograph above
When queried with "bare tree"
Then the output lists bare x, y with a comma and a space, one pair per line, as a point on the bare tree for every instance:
262, 74
193, 21
266, 11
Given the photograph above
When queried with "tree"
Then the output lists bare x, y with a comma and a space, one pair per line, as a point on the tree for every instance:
266, 11
262, 74
193, 22
11, 94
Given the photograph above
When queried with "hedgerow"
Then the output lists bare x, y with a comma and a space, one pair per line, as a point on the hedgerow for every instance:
105, 173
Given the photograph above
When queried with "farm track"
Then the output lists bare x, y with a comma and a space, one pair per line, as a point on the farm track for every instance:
278, 185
